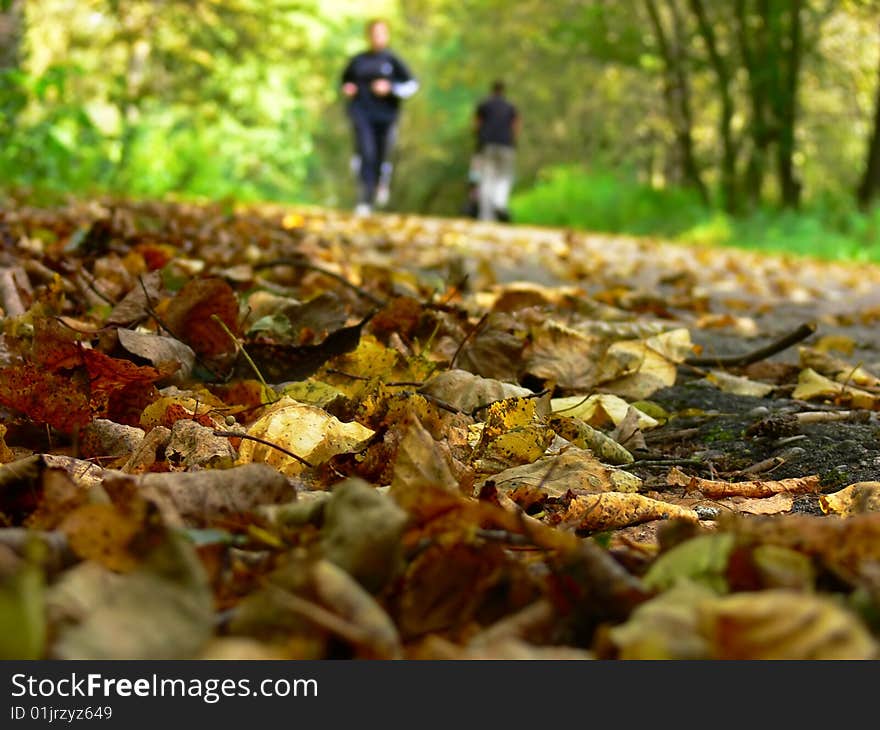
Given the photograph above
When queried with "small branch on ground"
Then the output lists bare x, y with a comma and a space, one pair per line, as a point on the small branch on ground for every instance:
762, 353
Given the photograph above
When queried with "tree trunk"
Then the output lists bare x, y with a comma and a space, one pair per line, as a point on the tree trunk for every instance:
725, 123
676, 91
759, 129
870, 183
789, 185
12, 100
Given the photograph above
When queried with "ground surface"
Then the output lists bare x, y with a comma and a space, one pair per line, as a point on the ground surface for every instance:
298, 433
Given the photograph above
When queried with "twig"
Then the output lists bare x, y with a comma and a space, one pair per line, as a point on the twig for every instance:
663, 462
237, 435
792, 338
240, 348
477, 327
830, 416
320, 616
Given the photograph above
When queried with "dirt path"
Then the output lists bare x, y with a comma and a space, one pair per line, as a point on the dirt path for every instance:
732, 301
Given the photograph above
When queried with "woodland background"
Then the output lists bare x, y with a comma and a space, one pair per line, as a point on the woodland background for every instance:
752, 122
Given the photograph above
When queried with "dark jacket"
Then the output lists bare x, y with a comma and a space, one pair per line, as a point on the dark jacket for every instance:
366, 67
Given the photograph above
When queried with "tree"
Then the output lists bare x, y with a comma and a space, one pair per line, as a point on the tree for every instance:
11, 34
869, 185
676, 89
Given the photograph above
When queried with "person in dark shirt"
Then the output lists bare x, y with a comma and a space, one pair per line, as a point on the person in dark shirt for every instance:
374, 82
497, 123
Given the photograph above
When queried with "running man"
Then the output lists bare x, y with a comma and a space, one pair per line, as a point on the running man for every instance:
375, 81
497, 123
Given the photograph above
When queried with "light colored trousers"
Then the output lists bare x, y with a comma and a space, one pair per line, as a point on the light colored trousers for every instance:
495, 167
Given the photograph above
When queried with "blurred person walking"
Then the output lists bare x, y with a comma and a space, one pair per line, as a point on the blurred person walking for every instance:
497, 124
375, 81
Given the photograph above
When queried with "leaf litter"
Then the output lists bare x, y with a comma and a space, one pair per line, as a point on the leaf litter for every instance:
257, 433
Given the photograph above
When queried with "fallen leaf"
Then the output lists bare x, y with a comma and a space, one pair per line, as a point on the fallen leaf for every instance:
585, 436
701, 560
552, 476
212, 496
162, 610
338, 591
190, 316
468, 392
362, 531
854, 499
617, 509
160, 351
840, 370
783, 624
758, 488
636, 369
23, 633
738, 385
598, 410
665, 627
812, 386
307, 431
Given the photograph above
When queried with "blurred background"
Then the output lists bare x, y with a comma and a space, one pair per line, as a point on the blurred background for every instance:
746, 122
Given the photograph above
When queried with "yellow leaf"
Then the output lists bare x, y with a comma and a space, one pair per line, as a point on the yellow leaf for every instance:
738, 385
617, 509
598, 410
840, 370
635, 369
307, 431
587, 437
854, 499
783, 624
812, 386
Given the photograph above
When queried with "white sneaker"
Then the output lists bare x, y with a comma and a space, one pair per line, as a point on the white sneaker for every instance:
383, 195
362, 209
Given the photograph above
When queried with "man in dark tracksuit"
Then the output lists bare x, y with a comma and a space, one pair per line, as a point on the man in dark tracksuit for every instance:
375, 81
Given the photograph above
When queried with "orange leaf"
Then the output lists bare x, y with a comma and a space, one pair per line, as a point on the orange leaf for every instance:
718, 489
45, 397
190, 316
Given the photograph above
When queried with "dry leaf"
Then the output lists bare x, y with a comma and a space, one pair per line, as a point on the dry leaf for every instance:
854, 499
307, 431
758, 488
738, 385
616, 509
211, 496
343, 595
552, 476
783, 624
362, 531
812, 386
467, 391
599, 410
162, 610
635, 369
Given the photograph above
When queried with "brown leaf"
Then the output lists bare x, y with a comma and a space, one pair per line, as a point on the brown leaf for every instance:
758, 488
103, 534
190, 316
212, 496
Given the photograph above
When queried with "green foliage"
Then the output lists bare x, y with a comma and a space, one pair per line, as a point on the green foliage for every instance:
239, 100
601, 200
